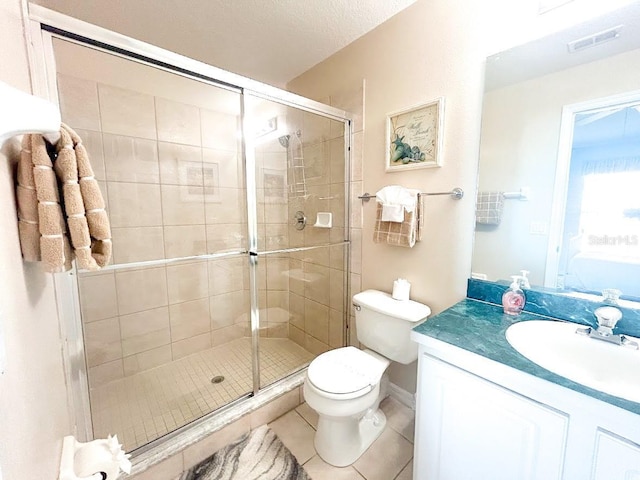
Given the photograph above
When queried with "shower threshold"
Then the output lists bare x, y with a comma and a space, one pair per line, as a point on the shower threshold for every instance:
143, 407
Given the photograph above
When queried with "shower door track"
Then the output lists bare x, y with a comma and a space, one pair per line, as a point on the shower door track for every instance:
43, 25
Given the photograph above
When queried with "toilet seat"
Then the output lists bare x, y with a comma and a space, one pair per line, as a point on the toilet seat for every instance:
345, 373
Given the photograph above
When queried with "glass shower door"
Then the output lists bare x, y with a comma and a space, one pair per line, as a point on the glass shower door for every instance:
166, 325
301, 181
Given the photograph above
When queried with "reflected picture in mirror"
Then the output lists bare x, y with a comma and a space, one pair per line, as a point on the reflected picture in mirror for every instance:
561, 121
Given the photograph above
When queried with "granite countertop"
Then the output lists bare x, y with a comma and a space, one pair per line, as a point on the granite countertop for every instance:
480, 327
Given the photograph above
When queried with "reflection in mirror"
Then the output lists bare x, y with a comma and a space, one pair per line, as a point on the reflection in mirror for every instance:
563, 127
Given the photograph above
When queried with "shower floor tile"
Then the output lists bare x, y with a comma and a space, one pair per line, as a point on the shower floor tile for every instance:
143, 407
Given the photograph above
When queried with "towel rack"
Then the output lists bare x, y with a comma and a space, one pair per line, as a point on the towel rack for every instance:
457, 193
522, 194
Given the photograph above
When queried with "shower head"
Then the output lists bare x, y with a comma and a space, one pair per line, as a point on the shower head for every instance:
284, 140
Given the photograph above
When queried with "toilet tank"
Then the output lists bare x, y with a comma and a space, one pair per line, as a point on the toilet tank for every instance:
384, 324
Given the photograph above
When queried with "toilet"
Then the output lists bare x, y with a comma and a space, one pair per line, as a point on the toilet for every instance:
345, 386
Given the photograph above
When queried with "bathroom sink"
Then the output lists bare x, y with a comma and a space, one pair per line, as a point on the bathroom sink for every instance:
556, 346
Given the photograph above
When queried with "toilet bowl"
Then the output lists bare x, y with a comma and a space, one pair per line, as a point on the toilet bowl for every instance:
345, 386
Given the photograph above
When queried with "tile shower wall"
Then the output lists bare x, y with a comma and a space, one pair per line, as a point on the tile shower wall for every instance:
316, 277
173, 183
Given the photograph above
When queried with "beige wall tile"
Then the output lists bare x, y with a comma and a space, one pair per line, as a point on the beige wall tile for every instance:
134, 205
92, 141
296, 276
166, 470
276, 237
229, 308
145, 342
189, 319
276, 279
278, 330
141, 289
187, 282
316, 320
276, 213
137, 244
129, 159
220, 130
277, 306
229, 206
317, 285
296, 309
196, 453
336, 289
336, 256
125, 112
308, 413
275, 408
228, 167
146, 360
178, 122
314, 345
182, 205
191, 345
336, 328
180, 164
98, 298
141, 323
227, 275
79, 102
102, 341
225, 237
105, 373
184, 241
226, 334
297, 335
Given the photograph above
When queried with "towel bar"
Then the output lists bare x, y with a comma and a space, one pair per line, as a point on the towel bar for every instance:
456, 193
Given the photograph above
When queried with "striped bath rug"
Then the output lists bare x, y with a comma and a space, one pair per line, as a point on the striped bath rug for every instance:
259, 455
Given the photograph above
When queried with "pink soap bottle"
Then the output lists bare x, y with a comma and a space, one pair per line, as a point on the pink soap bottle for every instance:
513, 299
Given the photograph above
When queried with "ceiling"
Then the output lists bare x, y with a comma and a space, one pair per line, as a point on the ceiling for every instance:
272, 41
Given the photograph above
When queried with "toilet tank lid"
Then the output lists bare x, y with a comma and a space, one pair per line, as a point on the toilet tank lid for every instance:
384, 303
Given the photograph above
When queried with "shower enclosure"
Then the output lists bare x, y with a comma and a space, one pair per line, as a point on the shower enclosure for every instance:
222, 282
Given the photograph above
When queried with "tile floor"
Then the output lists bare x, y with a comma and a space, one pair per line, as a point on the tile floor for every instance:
389, 458
143, 407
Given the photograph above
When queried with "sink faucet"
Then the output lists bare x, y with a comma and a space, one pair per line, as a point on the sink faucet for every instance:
607, 318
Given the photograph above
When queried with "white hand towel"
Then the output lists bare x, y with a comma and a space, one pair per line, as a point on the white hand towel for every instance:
392, 213
395, 201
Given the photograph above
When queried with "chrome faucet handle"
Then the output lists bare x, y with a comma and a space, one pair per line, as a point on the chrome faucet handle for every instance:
607, 319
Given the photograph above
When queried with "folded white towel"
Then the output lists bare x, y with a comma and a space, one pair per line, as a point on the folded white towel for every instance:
395, 201
392, 213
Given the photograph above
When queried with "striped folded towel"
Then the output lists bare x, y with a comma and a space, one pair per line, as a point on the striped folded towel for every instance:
404, 234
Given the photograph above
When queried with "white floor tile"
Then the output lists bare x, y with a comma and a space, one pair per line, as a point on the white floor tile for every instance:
296, 434
319, 470
399, 417
309, 414
386, 457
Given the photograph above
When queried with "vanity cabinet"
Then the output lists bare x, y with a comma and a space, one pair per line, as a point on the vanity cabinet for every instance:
477, 419
473, 429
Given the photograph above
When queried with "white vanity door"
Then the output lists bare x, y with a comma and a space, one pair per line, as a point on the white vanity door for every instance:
469, 429
615, 458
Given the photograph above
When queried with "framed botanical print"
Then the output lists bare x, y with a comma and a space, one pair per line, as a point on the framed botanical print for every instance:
414, 137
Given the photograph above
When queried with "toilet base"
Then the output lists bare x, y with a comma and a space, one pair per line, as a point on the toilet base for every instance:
340, 441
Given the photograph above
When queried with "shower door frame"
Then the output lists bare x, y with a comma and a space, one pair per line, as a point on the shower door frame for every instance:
41, 27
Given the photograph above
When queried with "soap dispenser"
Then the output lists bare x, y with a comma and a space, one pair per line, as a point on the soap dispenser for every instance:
524, 281
513, 299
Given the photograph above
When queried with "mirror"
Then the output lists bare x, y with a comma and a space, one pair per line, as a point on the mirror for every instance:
555, 111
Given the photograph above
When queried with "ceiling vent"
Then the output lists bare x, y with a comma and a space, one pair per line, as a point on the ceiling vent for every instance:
595, 39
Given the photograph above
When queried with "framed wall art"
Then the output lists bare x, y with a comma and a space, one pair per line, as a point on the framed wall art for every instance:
414, 137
